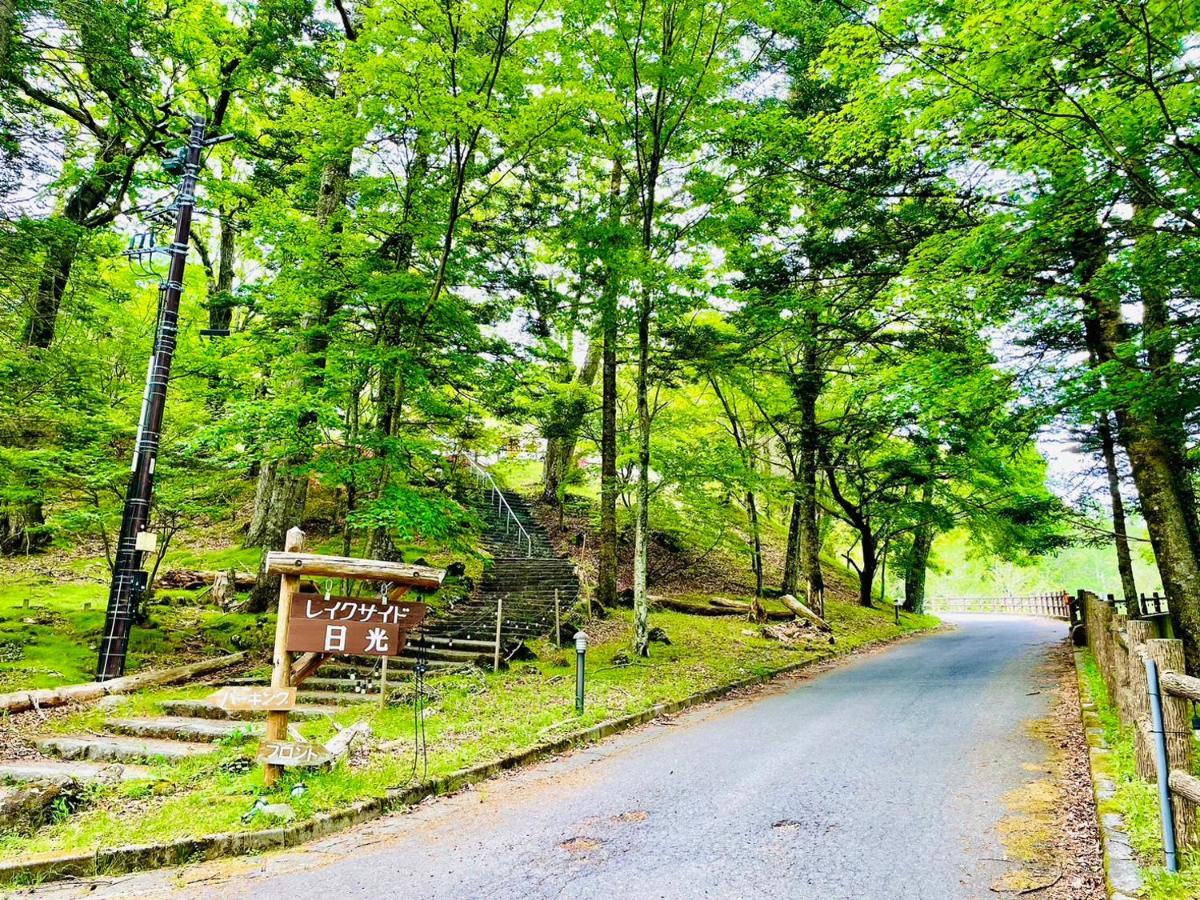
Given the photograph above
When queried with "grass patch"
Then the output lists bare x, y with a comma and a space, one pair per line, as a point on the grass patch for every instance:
1137, 800
50, 630
471, 718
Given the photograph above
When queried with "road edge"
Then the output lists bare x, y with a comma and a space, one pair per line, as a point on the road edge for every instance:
1122, 878
138, 857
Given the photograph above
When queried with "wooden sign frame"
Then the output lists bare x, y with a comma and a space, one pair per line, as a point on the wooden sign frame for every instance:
290, 565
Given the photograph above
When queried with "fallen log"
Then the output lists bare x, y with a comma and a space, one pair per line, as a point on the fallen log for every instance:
717, 606
693, 609
804, 612
21, 701
194, 580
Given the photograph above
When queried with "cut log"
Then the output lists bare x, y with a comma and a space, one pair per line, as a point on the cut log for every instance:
804, 612
223, 590
21, 701
343, 742
284, 563
757, 613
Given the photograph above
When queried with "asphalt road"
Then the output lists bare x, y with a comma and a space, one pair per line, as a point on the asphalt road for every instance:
881, 778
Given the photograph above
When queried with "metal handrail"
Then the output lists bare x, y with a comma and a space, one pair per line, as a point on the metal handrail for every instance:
485, 479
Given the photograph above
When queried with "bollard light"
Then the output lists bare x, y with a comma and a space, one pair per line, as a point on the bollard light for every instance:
581, 642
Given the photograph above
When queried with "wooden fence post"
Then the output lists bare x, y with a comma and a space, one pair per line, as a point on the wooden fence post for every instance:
499, 632
1177, 727
1137, 632
281, 670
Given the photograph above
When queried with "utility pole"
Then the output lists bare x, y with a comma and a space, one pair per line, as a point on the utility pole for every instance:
134, 542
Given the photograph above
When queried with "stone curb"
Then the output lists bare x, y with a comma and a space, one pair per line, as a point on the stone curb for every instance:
116, 860
1123, 879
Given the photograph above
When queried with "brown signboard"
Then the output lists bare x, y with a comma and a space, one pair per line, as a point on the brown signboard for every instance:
345, 637
368, 611
293, 753
254, 698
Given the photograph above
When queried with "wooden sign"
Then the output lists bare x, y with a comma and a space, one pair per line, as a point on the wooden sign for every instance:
293, 753
254, 698
345, 637
369, 611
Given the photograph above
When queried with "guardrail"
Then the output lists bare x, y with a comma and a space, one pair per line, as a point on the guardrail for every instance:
485, 481
1054, 604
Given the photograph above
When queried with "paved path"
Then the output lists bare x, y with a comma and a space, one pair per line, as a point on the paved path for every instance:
881, 778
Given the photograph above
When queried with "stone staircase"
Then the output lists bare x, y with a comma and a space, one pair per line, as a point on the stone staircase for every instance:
524, 578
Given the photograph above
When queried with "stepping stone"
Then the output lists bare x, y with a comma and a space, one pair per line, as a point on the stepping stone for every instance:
204, 710
182, 728
61, 770
118, 749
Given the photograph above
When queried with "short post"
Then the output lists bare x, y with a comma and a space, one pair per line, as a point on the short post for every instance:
557, 622
896, 607
581, 642
499, 622
383, 683
1162, 767
281, 671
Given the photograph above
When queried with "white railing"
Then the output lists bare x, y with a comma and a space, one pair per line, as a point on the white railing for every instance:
486, 482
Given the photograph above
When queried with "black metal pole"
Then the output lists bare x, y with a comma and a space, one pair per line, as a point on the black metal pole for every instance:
129, 579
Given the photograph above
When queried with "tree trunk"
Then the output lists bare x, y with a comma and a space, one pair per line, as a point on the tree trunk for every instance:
606, 575
220, 290
1153, 461
1120, 536
808, 389
565, 446
791, 559
551, 471
285, 509
82, 202
866, 574
281, 493
641, 535
916, 562
22, 528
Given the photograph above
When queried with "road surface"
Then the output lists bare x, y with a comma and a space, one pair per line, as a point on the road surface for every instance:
881, 778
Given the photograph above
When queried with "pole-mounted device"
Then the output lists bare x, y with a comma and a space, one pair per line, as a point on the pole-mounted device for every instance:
135, 542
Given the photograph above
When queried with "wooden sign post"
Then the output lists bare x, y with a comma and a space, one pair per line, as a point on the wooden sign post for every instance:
281, 663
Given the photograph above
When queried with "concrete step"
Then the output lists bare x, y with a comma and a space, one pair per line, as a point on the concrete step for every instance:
183, 728
63, 770
444, 654
335, 698
441, 642
205, 710
118, 749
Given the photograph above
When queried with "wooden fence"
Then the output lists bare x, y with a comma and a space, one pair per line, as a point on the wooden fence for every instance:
1121, 647
1053, 604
